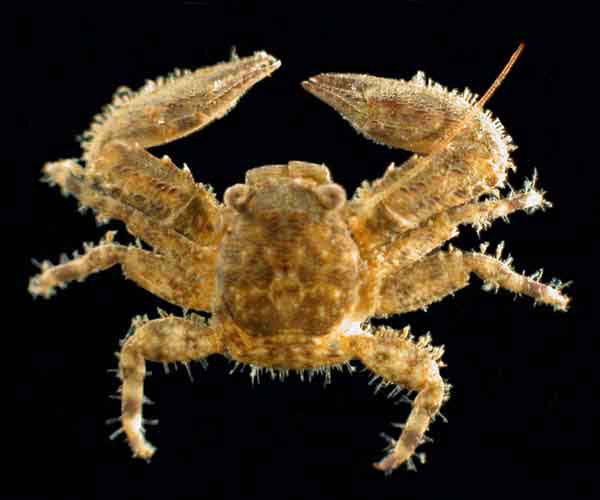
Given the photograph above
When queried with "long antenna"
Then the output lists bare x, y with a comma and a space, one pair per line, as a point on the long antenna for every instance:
500, 78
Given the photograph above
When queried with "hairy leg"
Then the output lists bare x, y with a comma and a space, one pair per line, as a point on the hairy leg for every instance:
414, 365
443, 273
156, 273
157, 188
415, 244
72, 179
163, 340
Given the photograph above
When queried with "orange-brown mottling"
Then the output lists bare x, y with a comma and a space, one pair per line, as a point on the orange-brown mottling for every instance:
286, 266
288, 270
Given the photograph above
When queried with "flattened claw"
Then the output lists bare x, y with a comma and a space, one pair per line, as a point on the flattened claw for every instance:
173, 107
402, 114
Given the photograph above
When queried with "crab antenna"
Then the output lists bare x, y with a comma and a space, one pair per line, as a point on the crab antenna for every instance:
500, 78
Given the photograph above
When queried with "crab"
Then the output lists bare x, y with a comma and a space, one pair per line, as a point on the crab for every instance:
290, 270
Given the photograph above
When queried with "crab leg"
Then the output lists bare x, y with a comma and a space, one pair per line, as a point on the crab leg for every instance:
163, 340
443, 273
156, 273
157, 188
415, 244
72, 179
414, 365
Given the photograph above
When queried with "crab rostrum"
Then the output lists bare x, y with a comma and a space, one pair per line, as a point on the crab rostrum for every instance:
291, 271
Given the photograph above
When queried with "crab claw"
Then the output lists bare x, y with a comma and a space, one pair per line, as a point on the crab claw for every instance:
401, 114
175, 106
346, 93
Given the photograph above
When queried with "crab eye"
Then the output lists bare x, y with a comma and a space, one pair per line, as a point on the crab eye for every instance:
331, 196
236, 196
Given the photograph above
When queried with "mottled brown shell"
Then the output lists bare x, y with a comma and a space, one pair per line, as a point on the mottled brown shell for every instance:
288, 265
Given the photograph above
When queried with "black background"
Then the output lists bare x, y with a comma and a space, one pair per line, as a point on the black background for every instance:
521, 409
